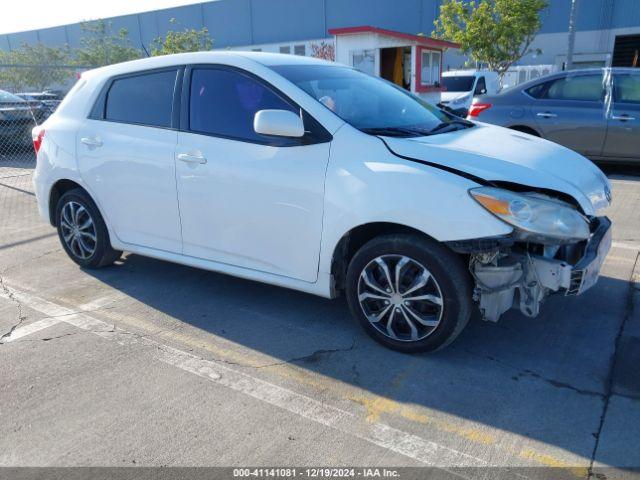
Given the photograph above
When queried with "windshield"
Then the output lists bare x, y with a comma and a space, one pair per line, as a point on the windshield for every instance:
458, 84
368, 103
6, 97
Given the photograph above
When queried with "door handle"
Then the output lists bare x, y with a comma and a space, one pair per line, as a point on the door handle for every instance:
546, 115
192, 158
91, 141
623, 117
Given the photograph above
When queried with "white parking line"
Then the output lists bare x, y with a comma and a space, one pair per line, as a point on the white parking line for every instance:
380, 434
31, 328
627, 245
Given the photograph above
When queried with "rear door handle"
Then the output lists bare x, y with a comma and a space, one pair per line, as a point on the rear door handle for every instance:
91, 141
192, 158
546, 115
623, 117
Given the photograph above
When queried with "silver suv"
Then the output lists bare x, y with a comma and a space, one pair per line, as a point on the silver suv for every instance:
595, 112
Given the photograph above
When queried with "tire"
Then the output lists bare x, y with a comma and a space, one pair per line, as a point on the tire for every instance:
443, 302
86, 244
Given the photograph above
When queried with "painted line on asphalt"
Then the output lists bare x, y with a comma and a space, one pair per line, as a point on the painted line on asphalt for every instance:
380, 434
635, 246
31, 328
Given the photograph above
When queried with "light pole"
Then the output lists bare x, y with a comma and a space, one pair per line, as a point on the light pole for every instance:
572, 34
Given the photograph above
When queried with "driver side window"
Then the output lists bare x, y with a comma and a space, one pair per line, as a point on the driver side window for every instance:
224, 102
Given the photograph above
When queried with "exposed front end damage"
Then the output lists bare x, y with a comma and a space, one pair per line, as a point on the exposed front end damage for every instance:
514, 274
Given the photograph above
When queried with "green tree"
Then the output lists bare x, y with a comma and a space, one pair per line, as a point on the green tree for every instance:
101, 46
35, 67
494, 32
186, 40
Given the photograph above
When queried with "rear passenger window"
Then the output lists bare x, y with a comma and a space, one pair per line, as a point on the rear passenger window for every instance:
583, 87
537, 90
145, 99
224, 102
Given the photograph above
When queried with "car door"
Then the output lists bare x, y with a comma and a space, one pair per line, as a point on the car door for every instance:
246, 199
126, 153
623, 133
570, 111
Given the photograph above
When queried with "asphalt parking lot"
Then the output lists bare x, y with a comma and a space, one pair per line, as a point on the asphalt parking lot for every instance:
147, 363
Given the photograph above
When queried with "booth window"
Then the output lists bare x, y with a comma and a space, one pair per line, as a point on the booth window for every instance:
430, 65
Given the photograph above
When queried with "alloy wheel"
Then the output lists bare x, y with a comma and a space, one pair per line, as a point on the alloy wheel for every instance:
78, 230
400, 297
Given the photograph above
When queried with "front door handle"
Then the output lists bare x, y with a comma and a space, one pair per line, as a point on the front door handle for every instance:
546, 115
624, 117
192, 158
91, 142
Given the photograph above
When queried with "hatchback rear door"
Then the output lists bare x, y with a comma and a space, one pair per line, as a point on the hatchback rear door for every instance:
623, 134
126, 156
570, 111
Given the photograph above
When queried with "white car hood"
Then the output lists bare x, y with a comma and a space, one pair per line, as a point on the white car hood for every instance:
450, 96
498, 154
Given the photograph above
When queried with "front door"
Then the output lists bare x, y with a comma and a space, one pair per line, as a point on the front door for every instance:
623, 133
126, 156
571, 113
246, 199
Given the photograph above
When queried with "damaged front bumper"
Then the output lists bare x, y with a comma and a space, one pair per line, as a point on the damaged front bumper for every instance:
510, 274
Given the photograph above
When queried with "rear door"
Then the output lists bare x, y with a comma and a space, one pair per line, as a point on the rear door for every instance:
623, 134
126, 156
570, 111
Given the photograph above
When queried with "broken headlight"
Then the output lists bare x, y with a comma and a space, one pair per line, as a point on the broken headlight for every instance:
536, 219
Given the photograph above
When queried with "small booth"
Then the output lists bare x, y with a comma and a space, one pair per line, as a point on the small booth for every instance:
413, 62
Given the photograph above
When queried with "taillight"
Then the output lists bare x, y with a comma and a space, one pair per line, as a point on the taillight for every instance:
477, 108
37, 140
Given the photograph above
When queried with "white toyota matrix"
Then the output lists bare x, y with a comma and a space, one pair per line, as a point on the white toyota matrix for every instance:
313, 176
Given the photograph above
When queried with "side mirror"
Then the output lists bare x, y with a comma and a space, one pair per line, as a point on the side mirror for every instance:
280, 123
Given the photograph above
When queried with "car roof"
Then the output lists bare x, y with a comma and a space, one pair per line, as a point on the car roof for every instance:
267, 59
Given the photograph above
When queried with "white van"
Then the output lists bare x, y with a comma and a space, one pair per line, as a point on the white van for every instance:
460, 86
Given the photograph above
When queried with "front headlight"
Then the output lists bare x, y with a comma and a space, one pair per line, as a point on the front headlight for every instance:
535, 219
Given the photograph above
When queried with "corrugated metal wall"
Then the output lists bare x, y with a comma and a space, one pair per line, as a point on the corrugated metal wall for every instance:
246, 22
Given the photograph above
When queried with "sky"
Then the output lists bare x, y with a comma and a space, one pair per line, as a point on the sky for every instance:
19, 15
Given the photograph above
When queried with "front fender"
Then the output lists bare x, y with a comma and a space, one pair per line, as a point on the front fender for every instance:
369, 184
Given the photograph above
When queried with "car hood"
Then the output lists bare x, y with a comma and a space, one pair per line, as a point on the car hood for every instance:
450, 96
500, 155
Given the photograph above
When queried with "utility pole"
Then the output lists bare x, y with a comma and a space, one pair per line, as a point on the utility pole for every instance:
572, 34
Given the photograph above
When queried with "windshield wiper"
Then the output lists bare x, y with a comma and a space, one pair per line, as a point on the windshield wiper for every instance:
395, 131
443, 125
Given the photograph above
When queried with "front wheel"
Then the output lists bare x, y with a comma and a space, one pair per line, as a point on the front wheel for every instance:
409, 293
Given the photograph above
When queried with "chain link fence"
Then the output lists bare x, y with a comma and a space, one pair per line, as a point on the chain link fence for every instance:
29, 94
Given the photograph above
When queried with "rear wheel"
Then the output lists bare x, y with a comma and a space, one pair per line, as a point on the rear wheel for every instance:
82, 231
409, 293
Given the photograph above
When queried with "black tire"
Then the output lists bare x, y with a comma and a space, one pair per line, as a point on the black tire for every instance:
451, 283
102, 254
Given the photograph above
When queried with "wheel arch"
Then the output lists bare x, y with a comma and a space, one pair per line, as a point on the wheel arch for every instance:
354, 239
58, 189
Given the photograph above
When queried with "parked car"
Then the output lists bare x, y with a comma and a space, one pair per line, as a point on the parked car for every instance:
16, 123
48, 100
595, 112
459, 87
311, 175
